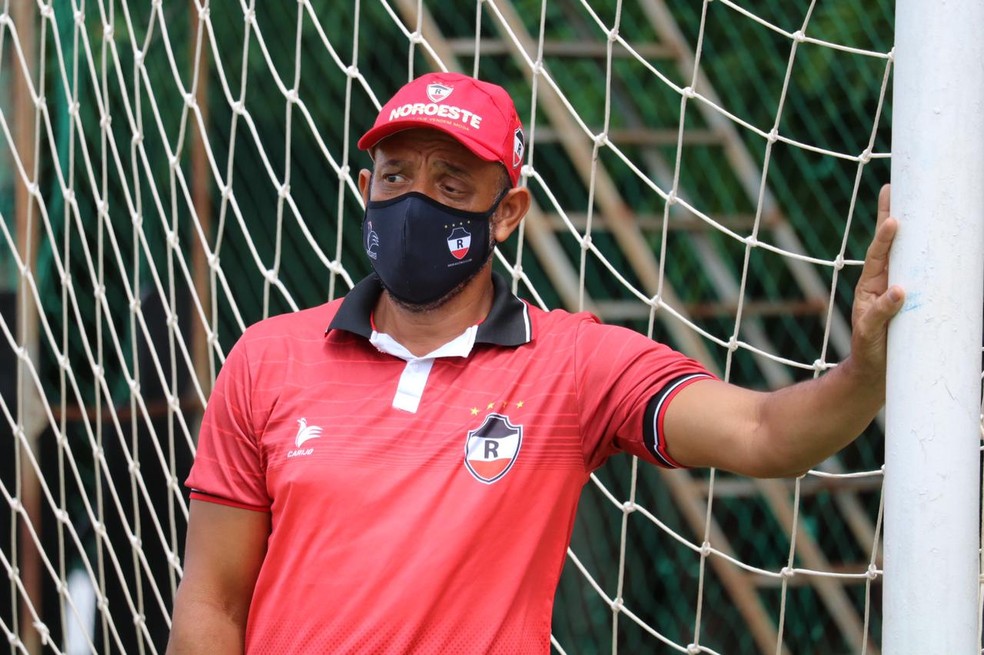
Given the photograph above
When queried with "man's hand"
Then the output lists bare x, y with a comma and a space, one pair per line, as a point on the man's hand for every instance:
875, 302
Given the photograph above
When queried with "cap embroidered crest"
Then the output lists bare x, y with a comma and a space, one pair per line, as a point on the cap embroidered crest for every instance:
480, 115
438, 92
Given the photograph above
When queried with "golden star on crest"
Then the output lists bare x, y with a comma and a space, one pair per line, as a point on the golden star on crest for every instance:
491, 406
474, 411
519, 404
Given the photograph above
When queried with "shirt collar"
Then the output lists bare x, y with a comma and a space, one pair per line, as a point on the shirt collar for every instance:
507, 324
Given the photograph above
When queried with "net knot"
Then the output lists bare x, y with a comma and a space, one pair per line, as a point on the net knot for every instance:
284, 190
292, 96
586, 242
352, 71
799, 36
705, 549
613, 35
693, 649
688, 92
108, 32
787, 572
416, 37
872, 572
865, 156
43, 631
773, 135
138, 58
628, 507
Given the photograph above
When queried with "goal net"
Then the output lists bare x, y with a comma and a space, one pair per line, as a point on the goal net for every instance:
171, 172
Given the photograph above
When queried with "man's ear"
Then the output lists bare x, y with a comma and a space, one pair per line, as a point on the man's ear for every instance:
510, 213
365, 176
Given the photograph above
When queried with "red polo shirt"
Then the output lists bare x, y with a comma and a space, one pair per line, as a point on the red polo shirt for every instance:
439, 530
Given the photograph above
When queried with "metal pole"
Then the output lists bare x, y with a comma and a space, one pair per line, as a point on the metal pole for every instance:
932, 453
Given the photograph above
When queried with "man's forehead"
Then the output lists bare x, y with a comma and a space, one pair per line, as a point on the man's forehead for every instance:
415, 145
419, 137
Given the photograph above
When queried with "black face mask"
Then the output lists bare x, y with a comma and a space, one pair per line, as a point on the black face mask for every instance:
421, 249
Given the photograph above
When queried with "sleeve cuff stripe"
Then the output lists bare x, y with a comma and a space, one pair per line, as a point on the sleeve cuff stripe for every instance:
653, 429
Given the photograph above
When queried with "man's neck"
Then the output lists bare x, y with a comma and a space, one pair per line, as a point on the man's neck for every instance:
424, 332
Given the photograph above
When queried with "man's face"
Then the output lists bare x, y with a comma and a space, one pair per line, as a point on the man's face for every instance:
435, 164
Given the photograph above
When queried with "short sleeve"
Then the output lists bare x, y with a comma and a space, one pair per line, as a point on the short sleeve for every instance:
625, 383
228, 466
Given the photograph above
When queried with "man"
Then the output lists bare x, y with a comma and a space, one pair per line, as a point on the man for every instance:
398, 471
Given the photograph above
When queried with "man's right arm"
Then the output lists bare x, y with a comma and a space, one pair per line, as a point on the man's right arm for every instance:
224, 550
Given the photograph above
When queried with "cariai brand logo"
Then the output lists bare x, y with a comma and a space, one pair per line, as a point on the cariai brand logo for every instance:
459, 241
372, 244
438, 92
492, 448
304, 434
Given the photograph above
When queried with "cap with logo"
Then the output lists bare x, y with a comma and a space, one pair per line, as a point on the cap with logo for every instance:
479, 114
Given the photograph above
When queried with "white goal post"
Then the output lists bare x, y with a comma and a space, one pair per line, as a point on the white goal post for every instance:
933, 449
702, 172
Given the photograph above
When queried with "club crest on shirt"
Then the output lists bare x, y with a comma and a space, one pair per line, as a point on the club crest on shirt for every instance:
492, 448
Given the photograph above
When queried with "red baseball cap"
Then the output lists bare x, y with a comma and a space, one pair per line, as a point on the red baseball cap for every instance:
479, 114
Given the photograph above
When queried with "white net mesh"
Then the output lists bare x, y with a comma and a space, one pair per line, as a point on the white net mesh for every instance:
172, 172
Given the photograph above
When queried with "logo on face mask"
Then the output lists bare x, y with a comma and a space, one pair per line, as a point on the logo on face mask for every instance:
459, 241
372, 241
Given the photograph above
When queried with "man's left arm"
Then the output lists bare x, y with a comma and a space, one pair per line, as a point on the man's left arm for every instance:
788, 431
